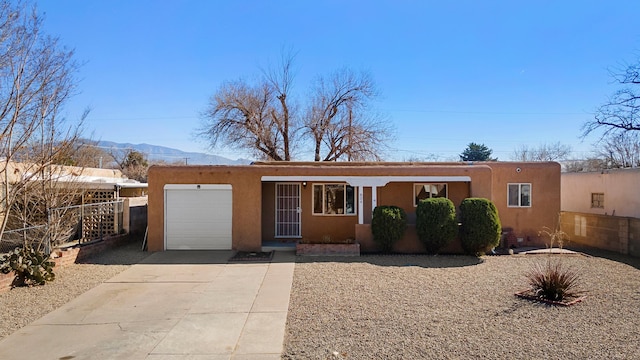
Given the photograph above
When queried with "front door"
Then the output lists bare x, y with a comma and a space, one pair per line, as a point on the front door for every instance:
288, 210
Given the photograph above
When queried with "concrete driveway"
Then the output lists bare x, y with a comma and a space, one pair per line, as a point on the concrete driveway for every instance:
173, 305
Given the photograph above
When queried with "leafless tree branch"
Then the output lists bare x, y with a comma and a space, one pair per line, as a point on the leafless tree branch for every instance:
619, 150
621, 112
36, 78
262, 117
545, 152
336, 117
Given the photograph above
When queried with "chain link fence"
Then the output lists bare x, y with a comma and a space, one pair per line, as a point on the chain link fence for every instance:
35, 236
70, 224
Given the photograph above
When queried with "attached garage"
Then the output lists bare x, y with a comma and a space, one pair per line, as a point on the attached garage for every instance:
198, 217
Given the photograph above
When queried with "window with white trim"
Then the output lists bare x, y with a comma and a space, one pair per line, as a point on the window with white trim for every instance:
519, 195
427, 191
333, 199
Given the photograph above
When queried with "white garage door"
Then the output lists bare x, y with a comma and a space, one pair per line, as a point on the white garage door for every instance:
197, 217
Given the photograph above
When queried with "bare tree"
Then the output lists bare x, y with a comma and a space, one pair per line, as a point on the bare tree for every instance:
262, 117
135, 166
132, 163
283, 116
86, 153
545, 152
619, 149
622, 110
37, 79
337, 120
422, 158
255, 117
242, 117
47, 201
125, 157
590, 164
356, 137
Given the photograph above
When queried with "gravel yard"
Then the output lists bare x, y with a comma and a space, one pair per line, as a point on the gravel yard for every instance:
21, 306
411, 307
448, 307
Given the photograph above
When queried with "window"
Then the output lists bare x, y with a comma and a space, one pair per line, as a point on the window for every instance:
597, 200
333, 199
580, 223
519, 195
427, 191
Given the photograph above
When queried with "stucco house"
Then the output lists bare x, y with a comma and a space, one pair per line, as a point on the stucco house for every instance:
242, 207
600, 209
99, 190
605, 192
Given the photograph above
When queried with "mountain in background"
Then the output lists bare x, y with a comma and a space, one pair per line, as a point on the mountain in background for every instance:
169, 155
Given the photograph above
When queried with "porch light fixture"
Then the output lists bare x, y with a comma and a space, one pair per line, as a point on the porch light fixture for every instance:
304, 184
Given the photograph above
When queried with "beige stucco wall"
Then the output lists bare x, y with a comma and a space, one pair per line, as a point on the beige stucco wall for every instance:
618, 186
16, 171
253, 200
135, 215
527, 222
248, 194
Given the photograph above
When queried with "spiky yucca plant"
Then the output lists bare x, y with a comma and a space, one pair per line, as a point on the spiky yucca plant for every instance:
553, 281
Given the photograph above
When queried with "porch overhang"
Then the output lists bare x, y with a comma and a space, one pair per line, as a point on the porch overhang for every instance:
368, 181
361, 182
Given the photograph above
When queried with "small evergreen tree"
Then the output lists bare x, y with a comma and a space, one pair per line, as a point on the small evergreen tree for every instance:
436, 223
388, 225
481, 228
477, 152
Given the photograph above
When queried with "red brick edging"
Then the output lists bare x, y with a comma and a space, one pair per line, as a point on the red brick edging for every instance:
72, 255
328, 249
525, 295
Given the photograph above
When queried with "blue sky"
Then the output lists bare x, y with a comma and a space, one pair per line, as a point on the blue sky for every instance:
502, 73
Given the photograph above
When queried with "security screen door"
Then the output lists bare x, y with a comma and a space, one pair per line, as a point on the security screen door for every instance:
288, 210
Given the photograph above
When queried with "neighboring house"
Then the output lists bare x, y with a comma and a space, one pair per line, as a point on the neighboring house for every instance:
606, 192
106, 185
601, 209
85, 186
240, 207
109, 180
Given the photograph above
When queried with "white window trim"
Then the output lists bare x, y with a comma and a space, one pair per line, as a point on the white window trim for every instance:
428, 183
313, 199
520, 194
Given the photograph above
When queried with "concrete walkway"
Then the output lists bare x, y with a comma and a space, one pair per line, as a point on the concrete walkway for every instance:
174, 305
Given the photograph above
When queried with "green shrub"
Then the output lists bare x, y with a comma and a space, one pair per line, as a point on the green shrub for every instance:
480, 230
388, 225
30, 266
436, 223
553, 281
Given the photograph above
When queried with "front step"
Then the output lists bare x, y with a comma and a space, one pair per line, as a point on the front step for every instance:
278, 246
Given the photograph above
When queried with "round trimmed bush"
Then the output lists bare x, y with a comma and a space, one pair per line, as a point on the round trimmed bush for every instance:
436, 223
480, 230
388, 225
